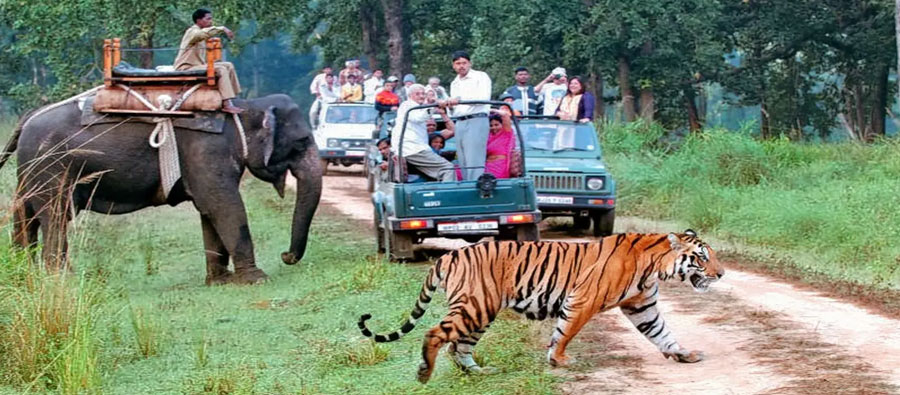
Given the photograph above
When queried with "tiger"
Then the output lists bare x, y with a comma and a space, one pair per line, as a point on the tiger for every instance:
565, 280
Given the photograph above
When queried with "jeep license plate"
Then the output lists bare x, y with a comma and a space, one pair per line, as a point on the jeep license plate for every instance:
464, 226
555, 199
356, 153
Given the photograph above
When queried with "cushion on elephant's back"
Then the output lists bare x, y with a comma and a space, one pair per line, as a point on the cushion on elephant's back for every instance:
206, 98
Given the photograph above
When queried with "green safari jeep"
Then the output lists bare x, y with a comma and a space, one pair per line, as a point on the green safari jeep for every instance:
566, 163
409, 207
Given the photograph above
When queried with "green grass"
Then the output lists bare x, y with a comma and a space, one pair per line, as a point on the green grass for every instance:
141, 320
830, 208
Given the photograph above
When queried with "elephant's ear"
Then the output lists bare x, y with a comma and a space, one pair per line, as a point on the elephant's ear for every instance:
268, 134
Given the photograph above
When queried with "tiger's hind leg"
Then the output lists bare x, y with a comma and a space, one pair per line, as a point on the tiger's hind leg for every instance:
461, 353
450, 330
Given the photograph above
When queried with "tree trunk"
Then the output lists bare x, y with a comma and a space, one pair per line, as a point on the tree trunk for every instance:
597, 83
147, 56
399, 47
369, 33
625, 90
897, 32
859, 109
257, 78
145, 41
690, 103
701, 103
647, 106
764, 131
879, 105
647, 101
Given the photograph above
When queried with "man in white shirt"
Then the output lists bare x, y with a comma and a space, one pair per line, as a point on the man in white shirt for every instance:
327, 92
472, 125
317, 81
371, 85
415, 146
551, 94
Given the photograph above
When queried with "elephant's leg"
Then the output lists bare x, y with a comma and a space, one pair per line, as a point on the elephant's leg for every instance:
54, 219
25, 225
229, 218
216, 254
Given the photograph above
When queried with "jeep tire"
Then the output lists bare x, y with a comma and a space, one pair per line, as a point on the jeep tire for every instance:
528, 232
324, 163
603, 222
582, 223
379, 233
399, 245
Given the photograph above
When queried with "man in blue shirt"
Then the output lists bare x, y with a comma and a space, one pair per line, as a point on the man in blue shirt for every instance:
525, 100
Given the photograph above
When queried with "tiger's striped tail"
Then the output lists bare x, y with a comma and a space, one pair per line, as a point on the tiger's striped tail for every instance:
431, 285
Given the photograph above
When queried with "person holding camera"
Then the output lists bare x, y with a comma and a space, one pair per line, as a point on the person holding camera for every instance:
552, 90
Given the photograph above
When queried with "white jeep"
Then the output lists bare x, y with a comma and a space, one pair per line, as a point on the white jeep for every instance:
343, 131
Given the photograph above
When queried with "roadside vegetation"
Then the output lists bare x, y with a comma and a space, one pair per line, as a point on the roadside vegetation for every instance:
135, 317
827, 209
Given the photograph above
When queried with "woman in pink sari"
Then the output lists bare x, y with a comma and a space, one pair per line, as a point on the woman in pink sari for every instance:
500, 144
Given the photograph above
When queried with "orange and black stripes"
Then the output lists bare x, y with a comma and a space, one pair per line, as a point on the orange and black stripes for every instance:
568, 281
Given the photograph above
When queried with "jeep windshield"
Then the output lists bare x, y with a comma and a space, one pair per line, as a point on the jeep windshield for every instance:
351, 114
558, 136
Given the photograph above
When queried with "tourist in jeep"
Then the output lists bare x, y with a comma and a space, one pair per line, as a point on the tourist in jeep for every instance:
578, 104
500, 143
415, 148
525, 100
386, 99
351, 92
192, 56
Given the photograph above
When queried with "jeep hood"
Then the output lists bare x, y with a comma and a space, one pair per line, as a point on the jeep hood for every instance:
345, 131
573, 165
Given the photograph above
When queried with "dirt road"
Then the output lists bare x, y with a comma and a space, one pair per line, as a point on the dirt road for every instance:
759, 335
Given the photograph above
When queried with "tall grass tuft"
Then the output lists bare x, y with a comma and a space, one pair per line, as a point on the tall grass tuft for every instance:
148, 332
835, 202
47, 327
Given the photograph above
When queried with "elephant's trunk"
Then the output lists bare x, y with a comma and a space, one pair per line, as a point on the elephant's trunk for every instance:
308, 172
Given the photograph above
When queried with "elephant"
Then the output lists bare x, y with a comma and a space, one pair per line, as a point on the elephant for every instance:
64, 168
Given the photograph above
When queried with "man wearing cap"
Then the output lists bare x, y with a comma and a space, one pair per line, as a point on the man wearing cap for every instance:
386, 99
508, 99
552, 89
408, 80
472, 120
411, 126
523, 95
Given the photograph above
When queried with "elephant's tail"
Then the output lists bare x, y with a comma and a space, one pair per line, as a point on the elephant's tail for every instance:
428, 289
13, 142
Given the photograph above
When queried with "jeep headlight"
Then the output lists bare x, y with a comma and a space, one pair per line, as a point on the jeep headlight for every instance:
345, 144
595, 183
333, 143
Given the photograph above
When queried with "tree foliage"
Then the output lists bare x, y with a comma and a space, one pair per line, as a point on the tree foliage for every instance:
810, 66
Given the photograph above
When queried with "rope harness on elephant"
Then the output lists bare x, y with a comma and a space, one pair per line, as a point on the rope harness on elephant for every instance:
60, 104
163, 136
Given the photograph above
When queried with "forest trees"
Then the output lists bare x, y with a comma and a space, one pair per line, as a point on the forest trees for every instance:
810, 66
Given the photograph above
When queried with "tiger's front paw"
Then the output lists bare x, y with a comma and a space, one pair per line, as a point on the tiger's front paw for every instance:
685, 356
561, 360
424, 373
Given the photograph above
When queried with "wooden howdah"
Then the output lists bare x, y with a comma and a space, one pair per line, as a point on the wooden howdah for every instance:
113, 99
206, 98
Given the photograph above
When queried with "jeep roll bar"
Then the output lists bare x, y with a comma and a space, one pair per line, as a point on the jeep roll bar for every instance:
491, 103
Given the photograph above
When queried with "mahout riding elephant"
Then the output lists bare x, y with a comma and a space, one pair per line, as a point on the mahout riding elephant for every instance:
64, 167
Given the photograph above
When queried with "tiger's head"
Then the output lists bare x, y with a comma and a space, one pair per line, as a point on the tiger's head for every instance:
696, 261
